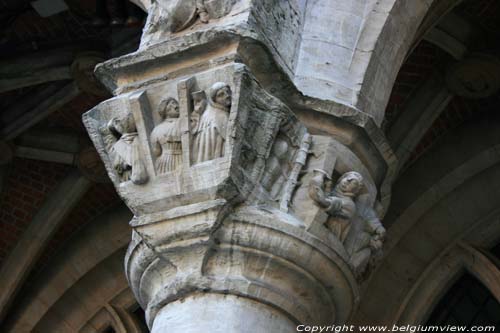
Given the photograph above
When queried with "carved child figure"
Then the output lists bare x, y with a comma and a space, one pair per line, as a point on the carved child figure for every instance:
121, 139
166, 138
210, 135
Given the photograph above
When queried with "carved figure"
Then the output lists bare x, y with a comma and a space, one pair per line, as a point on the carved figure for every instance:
210, 136
121, 140
170, 16
199, 106
316, 188
339, 204
365, 242
293, 176
166, 138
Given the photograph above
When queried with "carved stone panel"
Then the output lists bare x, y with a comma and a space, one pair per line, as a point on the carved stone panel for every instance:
215, 135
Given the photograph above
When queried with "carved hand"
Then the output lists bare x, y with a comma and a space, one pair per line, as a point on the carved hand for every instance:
334, 205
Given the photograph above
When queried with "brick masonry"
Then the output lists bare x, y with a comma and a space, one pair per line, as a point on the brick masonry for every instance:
27, 186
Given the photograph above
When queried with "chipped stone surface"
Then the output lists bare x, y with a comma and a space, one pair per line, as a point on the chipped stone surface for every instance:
229, 146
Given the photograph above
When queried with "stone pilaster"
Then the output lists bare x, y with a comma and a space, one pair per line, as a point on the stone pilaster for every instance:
246, 216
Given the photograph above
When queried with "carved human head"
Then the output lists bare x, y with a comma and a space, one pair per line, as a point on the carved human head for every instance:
169, 108
124, 124
350, 184
199, 101
280, 148
220, 94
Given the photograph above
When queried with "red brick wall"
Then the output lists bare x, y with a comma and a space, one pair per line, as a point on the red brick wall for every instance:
26, 188
416, 69
99, 199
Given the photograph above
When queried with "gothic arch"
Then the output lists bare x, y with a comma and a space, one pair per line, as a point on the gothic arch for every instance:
440, 276
96, 250
358, 65
455, 203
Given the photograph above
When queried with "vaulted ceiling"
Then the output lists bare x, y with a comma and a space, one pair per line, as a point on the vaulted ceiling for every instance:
450, 78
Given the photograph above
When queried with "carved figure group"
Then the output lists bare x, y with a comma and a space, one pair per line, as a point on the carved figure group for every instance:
211, 129
166, 138
121, 141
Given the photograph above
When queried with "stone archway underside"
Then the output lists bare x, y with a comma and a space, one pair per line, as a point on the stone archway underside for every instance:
438, 225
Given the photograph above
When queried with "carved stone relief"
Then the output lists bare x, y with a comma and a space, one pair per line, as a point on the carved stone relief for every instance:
364, 242
121, 140
354, 223
341, 206
229, 162
171, 16
277, 166
211, 129
166, 138
199, 106
188, 126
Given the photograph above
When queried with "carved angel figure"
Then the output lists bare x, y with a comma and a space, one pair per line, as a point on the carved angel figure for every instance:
121, 140
339, 204
166, 138
210, 135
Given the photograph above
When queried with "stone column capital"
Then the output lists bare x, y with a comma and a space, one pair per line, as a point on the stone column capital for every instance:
239, 197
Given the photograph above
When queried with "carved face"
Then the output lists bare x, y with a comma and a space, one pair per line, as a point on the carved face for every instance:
350, 183
124, 125
223, 96
169, 108
199, 105
172, 109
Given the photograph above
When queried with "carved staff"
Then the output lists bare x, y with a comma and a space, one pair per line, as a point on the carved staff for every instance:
292, 180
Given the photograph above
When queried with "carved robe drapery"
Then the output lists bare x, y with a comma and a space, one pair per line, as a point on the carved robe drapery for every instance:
342, 208
166, 139
210, 135
127, 158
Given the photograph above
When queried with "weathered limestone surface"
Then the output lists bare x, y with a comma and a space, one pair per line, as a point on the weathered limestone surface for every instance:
247, 196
